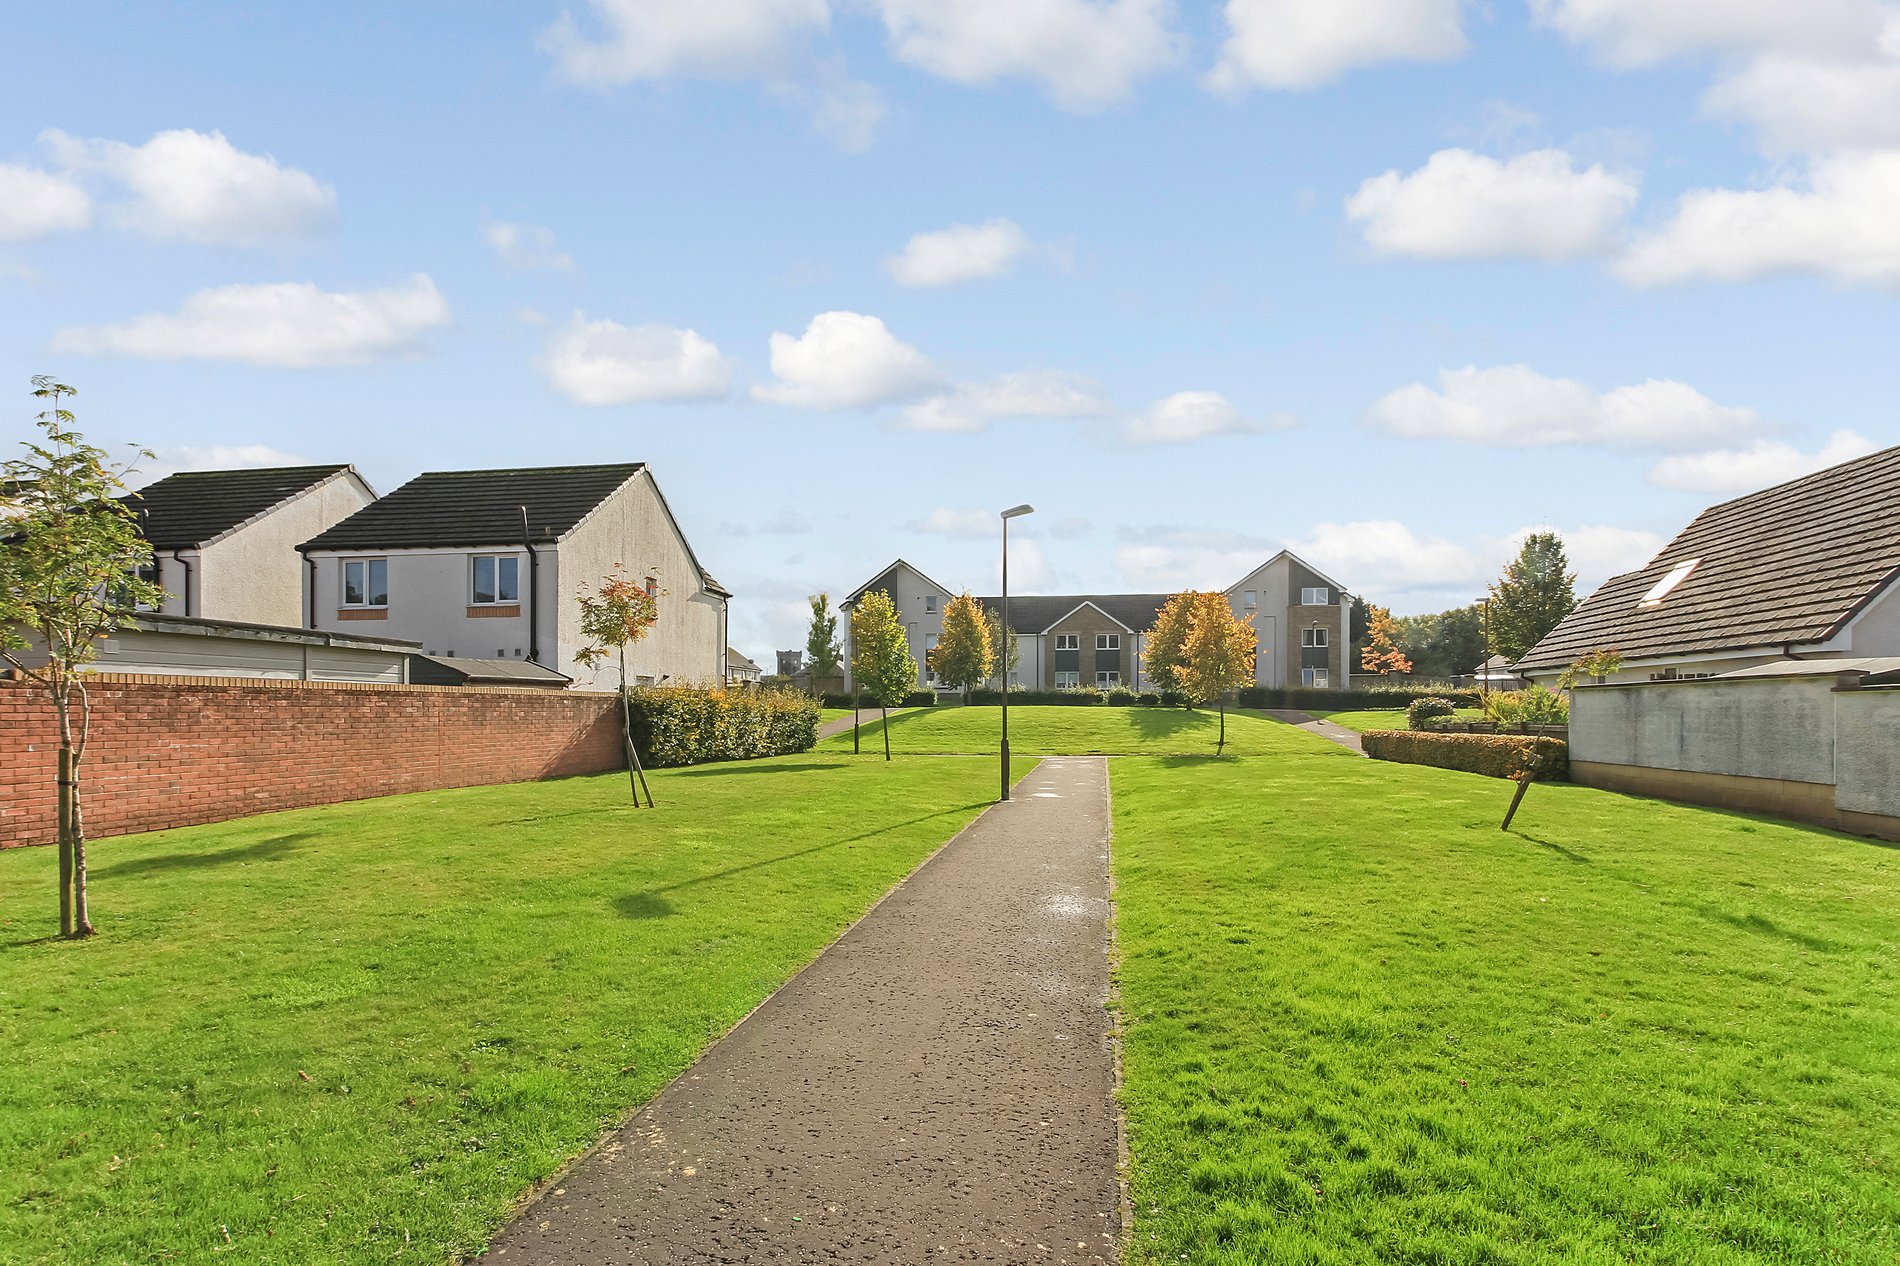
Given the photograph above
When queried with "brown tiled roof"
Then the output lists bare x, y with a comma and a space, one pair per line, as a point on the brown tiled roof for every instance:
1788, 565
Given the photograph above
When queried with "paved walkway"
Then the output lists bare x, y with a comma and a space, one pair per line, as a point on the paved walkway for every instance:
843, 724
1329, 730
936, 1087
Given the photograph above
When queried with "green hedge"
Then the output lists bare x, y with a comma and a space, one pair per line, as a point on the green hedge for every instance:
1086, 697
915, 699
1498, 755
682, 725
1337, 700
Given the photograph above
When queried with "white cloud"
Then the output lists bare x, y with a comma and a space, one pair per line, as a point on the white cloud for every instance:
197, 185
170, 461
1463, 205
847, 112
287, 324
972, 407
34, 203
1639, 32
1189, 415
1515, 406
962, 252
1303, 43
845, 360
1759, 465
1803, 104
1169, 559
526, 246
607, 363
1596, 551
1029, 569
1840, 223
970, 524
652, 39
1086, 54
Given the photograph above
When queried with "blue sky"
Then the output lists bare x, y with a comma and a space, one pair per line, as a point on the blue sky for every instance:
1387, 281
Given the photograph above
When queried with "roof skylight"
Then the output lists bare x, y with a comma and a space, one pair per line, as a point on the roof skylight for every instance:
1662, 588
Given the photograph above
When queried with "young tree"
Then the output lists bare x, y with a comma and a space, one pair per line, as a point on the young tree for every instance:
1537, 590
68, 577
1163, 649
1217, 656
616, 615
822, 653
1382, 654
963, 656
1006, 656
880, 655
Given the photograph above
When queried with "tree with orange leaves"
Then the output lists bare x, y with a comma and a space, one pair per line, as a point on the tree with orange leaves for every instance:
1382, 654
1217, 654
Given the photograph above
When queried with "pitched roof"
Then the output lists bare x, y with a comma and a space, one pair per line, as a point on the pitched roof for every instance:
196, 507
1037, 612
1788, 565
478, 507
875, 581
460, 670
735, 659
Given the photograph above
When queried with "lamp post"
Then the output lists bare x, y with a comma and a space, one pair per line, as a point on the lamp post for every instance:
1016, 513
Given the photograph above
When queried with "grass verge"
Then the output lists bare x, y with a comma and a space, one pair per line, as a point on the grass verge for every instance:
1080, 731
1363, 1024
359, 1032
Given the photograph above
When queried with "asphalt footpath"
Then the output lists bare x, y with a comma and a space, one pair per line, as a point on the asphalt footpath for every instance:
935, 1087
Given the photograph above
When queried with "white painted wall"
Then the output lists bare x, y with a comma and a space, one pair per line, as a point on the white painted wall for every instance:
912, 593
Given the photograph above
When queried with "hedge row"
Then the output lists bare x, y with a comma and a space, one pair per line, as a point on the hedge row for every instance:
915, 699
1085, 697
1498, 755
1337, 700
682, 725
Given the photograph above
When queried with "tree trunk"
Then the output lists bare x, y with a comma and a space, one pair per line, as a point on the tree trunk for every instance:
884, 716
65, 790
1523, 785
1221, 744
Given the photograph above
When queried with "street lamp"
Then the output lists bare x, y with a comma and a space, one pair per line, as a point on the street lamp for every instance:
1016, 513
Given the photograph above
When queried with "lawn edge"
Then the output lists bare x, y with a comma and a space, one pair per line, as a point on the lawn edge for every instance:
1124, 1163
528, 1199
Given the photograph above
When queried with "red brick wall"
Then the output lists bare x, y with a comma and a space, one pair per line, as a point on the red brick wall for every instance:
178, 751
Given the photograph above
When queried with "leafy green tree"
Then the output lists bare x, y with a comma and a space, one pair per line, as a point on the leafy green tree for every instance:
822, 653
69, 577
1536, 592
880, 655
1217, 655
1006, 656
963, 656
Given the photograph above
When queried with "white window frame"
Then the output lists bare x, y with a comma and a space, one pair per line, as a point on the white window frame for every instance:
930, 644
1108, 641
1250, 599
1068, 641
1316, 639
475, 561
1074, 679
1107, 677
1318, 596
368, 586
930, 604
1317, 678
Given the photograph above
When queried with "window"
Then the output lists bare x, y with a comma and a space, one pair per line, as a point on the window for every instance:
366, 582
930, 651
1320, 597
1068, 641
1068, 680
1250, 599
1108, 641
930, 604
1315, 637
1107, 679
495, 578
1319, 678
1661, 589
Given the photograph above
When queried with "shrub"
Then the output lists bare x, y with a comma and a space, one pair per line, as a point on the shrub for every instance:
1536, 706
1086, 696
1122, 697
915, 699
1496, 755
1149, 699
1419, 711
1359, 697
685, 725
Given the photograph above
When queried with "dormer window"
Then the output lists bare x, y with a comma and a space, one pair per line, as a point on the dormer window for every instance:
1662, 588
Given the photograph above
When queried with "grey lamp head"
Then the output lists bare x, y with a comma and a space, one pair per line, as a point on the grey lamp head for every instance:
1019, 511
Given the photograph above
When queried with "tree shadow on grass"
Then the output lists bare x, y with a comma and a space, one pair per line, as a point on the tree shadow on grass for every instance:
724, 769
261, 851
1555, 847
652, 903
1768, 927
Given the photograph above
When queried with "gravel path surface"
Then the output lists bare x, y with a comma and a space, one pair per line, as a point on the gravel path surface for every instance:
936, 1087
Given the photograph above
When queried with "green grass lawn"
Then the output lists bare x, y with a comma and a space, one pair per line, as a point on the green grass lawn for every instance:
360, 1032
1364, 1025
1070, 731
1363, 719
